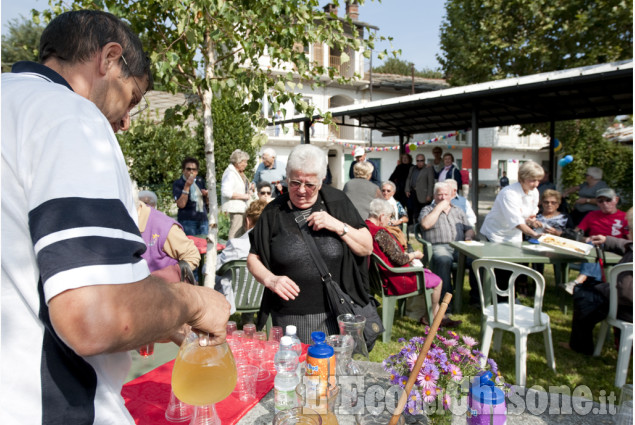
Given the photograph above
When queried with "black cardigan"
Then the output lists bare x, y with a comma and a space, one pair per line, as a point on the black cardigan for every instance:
353, 278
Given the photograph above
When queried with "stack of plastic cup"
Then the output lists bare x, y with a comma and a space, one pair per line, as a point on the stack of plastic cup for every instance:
246, 382
271, 348
249, 329
276, 333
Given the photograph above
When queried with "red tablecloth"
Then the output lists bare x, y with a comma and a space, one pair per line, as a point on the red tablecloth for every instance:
148, 396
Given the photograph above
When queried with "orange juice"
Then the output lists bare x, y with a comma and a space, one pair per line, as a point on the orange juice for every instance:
203, 375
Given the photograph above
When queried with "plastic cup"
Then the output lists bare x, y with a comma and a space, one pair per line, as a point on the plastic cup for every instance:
276, 333
249, 329
231, 327
146, 350
246, 382
178, 411
260, 336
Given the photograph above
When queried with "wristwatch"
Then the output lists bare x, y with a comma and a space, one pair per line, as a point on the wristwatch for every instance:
345, 231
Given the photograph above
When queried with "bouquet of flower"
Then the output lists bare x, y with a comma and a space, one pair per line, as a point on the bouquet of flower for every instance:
450, 364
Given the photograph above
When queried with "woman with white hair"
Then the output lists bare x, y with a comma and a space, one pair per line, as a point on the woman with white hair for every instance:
361, 190
234, 190
515, 208
280, 258
386, 247
587, 192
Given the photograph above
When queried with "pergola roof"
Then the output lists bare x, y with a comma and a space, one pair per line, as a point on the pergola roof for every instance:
586, 92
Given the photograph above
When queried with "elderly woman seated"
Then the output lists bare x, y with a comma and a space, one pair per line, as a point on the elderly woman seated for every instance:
386, 246
168, 248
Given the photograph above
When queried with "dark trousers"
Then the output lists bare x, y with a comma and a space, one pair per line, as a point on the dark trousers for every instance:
589, 308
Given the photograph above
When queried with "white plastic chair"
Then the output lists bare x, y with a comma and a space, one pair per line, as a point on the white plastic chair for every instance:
519, 319
626, 334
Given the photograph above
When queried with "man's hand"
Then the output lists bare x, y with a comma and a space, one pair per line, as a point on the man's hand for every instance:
213, 314
284, 287
597, 239
407, 194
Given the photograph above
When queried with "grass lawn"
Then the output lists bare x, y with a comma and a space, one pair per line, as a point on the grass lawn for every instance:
573, 369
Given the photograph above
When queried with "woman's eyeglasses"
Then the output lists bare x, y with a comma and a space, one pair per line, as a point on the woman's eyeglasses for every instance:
295, 184
550, 202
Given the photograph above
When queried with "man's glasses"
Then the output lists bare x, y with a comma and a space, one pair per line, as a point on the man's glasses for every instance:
386, 190
295, 184
143, 104
191, 169
265, 192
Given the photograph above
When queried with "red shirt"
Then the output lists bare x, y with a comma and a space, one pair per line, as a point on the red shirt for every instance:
598, 223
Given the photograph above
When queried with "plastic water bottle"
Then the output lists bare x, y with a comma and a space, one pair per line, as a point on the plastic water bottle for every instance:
291, 332
286, 364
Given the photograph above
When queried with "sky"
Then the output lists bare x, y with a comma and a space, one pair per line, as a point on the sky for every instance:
413, 24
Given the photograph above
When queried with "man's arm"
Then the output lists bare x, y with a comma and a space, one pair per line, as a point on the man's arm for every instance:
180, 247
430, 220
430, 183
112, 318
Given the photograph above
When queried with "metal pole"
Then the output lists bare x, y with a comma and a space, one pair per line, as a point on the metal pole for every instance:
475, 161
552, 155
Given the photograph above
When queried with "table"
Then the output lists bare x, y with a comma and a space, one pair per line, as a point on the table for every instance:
147, 396
376, 381
527, 253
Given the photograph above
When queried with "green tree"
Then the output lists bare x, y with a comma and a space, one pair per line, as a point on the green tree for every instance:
203, 46
154, 152
583, 140
483, 40
401, 67
21, 43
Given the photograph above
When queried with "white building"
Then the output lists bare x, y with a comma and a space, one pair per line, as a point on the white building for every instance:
509, 149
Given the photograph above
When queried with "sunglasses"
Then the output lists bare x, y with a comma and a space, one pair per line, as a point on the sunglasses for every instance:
265, 192
191, 169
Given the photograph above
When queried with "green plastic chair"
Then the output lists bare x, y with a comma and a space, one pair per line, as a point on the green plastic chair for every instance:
389, 302
457, 296
247, 291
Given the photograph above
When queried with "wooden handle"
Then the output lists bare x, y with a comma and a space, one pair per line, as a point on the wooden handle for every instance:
422, 356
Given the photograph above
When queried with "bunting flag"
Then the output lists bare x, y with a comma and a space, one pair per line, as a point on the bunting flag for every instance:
411, 147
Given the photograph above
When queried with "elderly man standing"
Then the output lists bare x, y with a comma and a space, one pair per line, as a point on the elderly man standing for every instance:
419, 187
76, 294
272, 171
443, 223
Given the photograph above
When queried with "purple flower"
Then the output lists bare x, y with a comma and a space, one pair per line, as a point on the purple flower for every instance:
455, 357
447, 401
450, 342
413, 405
469, 341
411, 359
493, 366
463, 351
453, 335
456, 373
429, 394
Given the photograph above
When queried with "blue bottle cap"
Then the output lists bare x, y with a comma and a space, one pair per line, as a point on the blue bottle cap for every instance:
482, 389
320, 350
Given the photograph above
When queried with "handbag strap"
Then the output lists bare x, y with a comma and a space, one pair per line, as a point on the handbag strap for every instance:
300, 220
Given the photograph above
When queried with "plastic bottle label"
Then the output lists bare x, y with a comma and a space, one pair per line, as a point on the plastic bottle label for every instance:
284, 399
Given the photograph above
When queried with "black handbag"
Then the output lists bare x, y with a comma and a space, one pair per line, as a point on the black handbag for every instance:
339, 301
